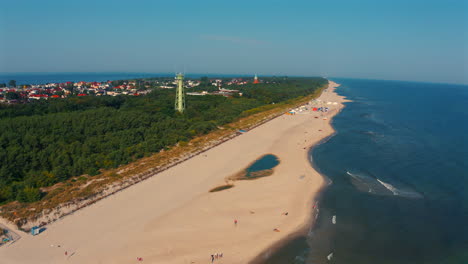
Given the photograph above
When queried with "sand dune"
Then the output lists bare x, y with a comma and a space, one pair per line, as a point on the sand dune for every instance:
173, 218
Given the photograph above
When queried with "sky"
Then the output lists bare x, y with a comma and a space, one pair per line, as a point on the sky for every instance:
386, 39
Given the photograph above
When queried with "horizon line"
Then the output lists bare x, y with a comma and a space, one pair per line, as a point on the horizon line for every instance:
234, 74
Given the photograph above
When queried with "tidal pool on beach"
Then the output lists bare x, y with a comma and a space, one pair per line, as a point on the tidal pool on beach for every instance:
264, 163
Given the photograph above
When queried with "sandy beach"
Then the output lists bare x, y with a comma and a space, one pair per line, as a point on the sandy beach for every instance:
173, 218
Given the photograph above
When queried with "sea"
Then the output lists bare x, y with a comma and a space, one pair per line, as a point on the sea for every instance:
60, 77
397, 169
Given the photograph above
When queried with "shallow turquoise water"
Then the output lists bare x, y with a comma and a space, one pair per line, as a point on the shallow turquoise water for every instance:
42, 78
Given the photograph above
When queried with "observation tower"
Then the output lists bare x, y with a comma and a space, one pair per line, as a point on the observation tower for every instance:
180, 95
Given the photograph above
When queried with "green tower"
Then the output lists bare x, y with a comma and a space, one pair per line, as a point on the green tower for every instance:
180, 95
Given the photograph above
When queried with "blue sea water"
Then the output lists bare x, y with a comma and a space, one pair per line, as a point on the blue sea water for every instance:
43, 78
399, 178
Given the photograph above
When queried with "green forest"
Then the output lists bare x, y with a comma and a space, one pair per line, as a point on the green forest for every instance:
46, 142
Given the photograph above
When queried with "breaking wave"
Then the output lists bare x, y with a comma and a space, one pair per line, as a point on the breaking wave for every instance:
389, 187
374, 185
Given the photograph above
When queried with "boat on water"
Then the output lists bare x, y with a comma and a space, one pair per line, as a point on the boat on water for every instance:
334, 219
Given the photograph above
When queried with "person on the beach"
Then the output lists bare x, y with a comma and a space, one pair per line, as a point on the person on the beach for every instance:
235, 222
66, 253
212, 258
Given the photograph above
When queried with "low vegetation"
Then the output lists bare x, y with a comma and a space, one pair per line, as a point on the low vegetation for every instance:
244, 175
222, 187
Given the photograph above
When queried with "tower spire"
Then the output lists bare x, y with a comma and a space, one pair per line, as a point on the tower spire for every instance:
255, 79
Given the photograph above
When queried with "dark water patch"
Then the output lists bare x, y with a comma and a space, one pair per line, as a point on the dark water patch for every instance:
262, 167
266, 162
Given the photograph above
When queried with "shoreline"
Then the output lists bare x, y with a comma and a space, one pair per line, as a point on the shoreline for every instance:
164, 218
308, 226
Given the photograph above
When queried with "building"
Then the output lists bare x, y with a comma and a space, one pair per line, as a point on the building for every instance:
255, 79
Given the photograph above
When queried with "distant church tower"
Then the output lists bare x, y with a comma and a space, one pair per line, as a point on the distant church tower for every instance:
180, 95
255, 79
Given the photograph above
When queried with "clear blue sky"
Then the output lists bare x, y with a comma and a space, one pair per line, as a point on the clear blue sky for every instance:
420, 40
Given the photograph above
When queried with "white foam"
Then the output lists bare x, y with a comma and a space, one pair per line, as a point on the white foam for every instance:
355, 176
401, 192
374, 186
362, 179
389, 187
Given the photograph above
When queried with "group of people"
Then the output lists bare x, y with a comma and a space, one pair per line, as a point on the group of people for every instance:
216, 256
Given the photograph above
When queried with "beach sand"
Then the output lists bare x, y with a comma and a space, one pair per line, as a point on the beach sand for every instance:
173, 218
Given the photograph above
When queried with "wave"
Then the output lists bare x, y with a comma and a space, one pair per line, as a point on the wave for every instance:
389, 187
400, 191
361, 177
374, 185
369, 132
356, 176
363, 182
